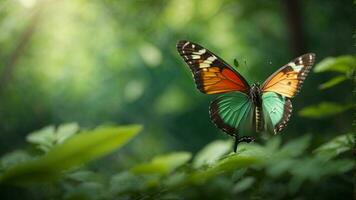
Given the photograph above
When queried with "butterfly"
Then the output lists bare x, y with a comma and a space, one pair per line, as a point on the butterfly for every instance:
242, 110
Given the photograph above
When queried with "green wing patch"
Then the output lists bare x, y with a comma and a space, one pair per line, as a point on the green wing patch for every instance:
233, 113
276, 110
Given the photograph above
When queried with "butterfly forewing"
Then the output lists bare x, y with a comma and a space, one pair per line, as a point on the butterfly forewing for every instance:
288, 80
212, 75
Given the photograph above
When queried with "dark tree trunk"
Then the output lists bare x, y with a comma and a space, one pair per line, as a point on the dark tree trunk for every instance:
295, 28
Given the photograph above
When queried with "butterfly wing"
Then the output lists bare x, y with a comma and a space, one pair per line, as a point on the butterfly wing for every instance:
212, 75
233, 113
277, 90
288, 80
277, 110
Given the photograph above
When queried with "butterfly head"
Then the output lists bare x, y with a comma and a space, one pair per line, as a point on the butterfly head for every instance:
256, 87
255, 93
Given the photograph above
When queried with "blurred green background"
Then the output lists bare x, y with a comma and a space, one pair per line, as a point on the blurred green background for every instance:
115, 62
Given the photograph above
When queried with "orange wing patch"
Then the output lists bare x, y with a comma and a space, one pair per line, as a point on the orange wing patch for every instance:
213, 80
284, 83
288, 80
212, 75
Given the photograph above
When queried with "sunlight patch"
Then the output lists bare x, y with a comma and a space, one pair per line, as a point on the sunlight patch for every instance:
150, 54
179, 12
27, 3
133, 90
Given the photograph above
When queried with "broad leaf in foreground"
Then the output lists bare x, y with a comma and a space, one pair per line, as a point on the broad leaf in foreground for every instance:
76, 151
163, 164
212, 152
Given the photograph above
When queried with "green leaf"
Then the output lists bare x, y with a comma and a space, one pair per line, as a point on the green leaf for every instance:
14, 158
332, 82
336, 146
211, 153
87, 190
282, 158
125, 182
163, 164
273, 144
296, 147
243, 184
247, 155
83, 176
341, 64
47, 137
44, 138
310, 168
324, 109
76, 151
279, 167
66, 131
175, 179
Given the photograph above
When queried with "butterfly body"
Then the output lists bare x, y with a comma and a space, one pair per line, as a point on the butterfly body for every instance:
256, 98
255, 94
243, 110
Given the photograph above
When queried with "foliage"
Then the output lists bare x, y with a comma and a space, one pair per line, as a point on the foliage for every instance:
336, 146
170, 174
76, 151
48, 136
324, 109
341, 64
211, 153
163, 164
344, 65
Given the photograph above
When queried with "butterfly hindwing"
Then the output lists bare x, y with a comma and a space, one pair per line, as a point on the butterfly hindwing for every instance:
233, 113
288, 80
212, 75
277, 110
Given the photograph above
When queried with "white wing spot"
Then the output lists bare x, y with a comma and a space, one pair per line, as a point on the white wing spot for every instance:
297, 68
207, 61
200, 52
193, 46
204, 65
195, 56
291, 64
211, 58
185, 44
300, 60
